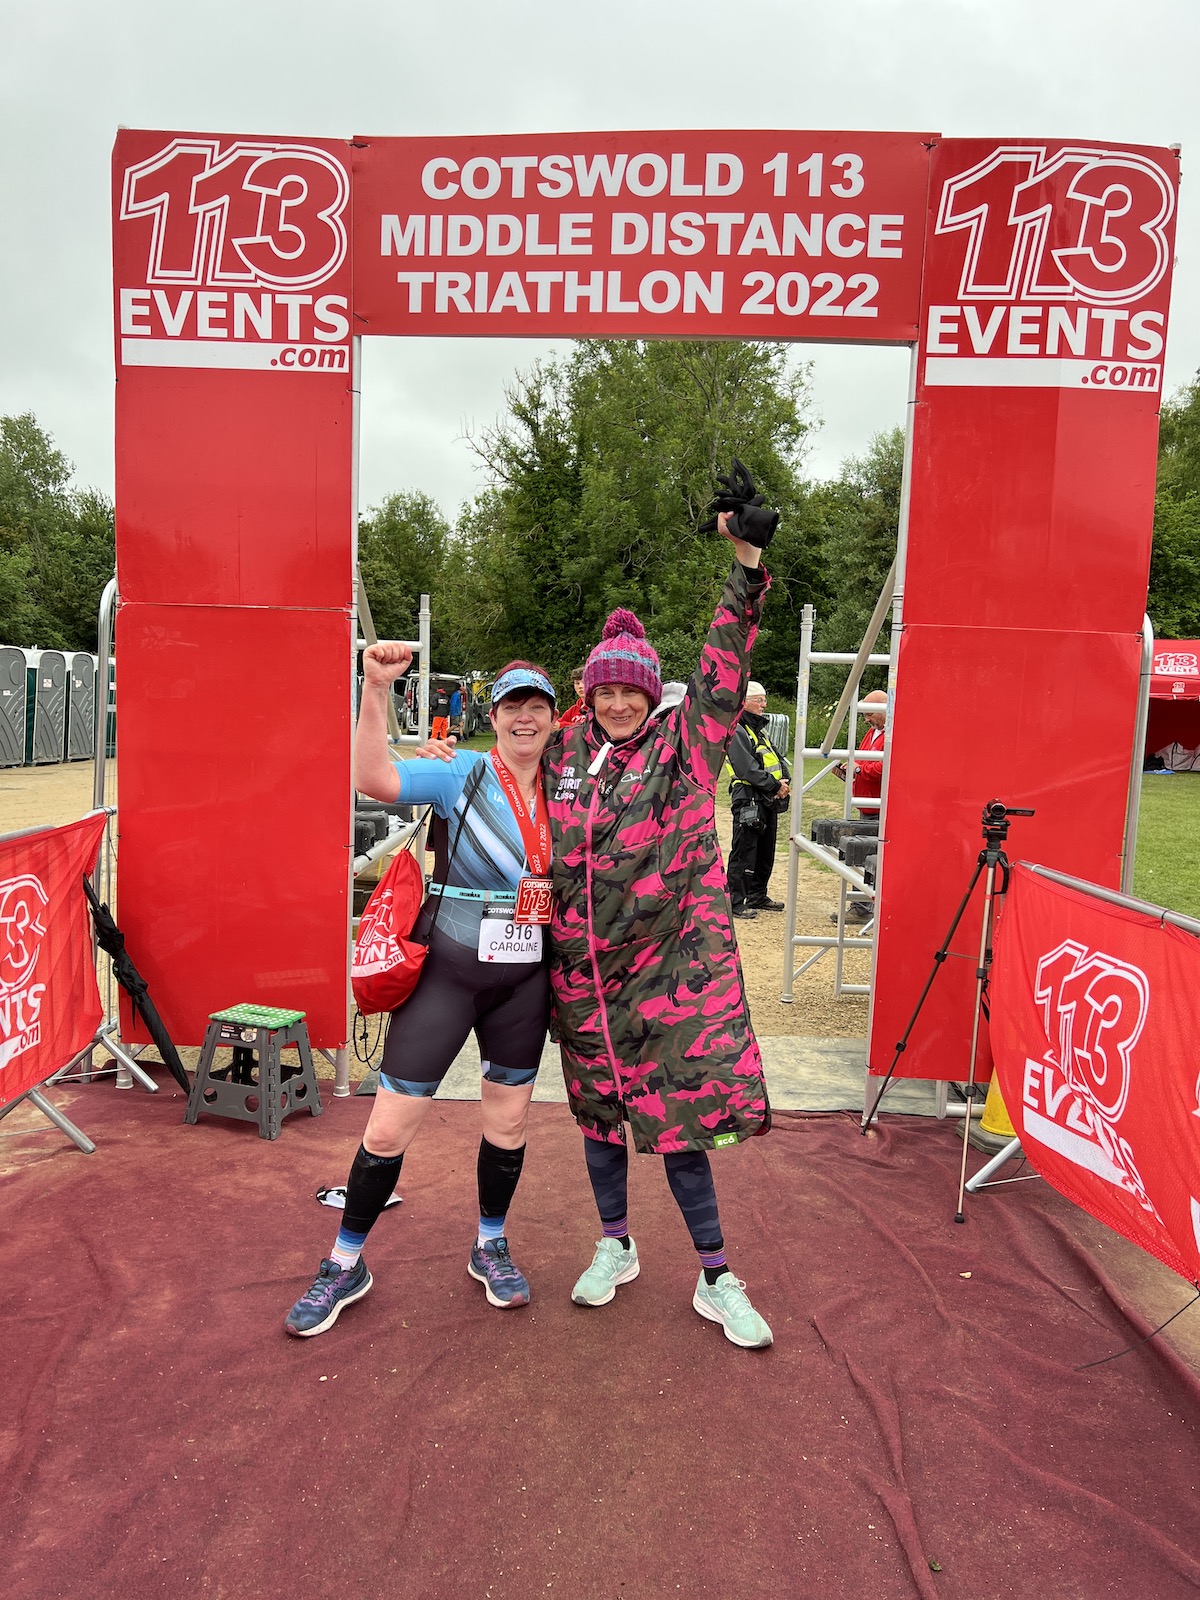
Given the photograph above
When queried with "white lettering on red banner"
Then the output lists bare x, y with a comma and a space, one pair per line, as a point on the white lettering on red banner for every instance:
222, 249
23, 903
1172, 662
1062, 275
1096, 1007
1092, 1030
766, 234
49, 1003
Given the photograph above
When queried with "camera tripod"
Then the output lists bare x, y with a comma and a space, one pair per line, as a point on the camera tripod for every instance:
992, 862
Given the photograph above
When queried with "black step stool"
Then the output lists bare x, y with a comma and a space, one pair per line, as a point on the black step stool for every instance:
256, 1085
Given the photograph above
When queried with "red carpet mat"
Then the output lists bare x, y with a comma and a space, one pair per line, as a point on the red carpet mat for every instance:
918, 1429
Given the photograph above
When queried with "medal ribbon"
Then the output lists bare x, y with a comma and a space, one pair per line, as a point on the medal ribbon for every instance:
534, 836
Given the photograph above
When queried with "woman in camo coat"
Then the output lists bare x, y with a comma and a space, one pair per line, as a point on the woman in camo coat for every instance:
648, 993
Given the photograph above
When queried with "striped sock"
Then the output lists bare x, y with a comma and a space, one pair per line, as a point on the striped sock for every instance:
714, 1263
347, 1248
490, 1228
616, 1230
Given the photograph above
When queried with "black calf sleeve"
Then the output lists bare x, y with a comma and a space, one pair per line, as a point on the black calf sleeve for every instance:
370, 1186
498, 1172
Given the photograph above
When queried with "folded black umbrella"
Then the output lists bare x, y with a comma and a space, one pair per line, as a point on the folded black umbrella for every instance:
112, 941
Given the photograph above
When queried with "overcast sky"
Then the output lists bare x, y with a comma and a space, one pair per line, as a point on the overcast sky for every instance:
72, 73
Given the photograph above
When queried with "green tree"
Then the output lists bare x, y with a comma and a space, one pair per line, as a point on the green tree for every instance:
602, 471
56, 543
860, 518
401, 555
1173, 603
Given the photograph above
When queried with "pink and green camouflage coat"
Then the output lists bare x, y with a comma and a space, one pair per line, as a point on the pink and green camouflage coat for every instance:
647, 983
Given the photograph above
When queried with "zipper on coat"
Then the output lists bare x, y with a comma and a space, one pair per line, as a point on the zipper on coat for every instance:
596, 979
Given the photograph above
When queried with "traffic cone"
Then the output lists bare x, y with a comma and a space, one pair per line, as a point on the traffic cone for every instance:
995, 1117
995, 1130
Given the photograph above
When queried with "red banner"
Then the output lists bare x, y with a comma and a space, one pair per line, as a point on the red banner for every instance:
1176, 670
761, 235
1095, 1016
49, 1003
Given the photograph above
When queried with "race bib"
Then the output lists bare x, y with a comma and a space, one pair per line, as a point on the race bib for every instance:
501, 939
535, 901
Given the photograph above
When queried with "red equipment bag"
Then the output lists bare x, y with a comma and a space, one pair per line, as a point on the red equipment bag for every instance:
387, 963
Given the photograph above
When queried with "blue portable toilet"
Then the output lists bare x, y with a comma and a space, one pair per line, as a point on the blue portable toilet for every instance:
81, 708
14, 692
46, 708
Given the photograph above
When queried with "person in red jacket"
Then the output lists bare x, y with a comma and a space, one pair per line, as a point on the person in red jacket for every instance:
579, 710
868, 775
868, 784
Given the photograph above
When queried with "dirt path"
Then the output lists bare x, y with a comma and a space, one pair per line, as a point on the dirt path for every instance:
33, 796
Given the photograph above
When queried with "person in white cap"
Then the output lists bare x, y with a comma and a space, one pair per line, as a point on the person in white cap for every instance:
759, 789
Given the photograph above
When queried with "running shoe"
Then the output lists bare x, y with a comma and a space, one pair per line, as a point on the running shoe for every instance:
765, 904
333, 1288
725, 1302
493, 1267
612, 1264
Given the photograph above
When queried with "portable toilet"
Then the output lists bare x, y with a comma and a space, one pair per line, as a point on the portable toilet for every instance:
81, 708
14, 692
110, 708
46, 709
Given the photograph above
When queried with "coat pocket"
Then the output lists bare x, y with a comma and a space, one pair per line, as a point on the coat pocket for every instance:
631, 903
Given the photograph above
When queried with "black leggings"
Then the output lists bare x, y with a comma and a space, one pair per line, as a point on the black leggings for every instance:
507, 1006
688, 1174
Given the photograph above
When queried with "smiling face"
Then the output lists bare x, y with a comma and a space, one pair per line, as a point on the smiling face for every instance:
523, 722
620, 710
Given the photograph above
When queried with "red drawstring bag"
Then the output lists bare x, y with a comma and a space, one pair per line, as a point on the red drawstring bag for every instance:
387, 963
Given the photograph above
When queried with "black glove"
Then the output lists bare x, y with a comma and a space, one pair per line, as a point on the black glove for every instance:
749, 521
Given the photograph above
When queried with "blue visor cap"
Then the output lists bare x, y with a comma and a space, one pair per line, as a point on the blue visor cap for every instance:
522, 678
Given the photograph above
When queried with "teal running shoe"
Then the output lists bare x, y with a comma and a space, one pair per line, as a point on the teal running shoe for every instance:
612, 1264
725, 1302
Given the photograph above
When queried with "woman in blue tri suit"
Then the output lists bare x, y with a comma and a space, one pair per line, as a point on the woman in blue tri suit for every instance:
491, 843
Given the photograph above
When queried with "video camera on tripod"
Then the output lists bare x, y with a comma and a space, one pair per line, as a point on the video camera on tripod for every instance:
991, 861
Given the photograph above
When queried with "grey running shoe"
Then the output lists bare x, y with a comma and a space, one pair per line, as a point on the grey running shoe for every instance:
492, 1266
725, 1302
612, 1264
333, 1287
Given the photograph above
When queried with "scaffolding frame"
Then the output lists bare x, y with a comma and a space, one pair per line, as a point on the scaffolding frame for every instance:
851, 880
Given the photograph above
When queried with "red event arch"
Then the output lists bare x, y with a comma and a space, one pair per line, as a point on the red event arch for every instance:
1031, 277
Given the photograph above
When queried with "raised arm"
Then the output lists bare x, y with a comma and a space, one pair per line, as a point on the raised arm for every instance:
717, 690
374, 773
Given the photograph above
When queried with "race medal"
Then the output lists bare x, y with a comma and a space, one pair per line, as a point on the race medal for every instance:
502, 939
535, 901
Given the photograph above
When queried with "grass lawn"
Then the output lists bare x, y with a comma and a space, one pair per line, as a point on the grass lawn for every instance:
1166, 868
1167, 864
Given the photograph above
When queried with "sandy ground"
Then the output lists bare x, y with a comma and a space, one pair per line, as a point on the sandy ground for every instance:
39, 796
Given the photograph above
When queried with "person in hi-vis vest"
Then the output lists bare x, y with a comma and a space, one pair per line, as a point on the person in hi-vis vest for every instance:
759, 789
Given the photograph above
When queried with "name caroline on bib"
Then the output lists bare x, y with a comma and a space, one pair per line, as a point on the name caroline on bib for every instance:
503, 940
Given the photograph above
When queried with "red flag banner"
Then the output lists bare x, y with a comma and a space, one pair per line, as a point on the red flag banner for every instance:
49, 1003
1094, 1020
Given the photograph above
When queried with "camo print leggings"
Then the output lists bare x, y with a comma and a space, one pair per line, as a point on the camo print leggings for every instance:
688, 1174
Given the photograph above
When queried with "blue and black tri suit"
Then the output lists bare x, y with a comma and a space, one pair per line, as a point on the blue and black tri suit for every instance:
508, 1006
